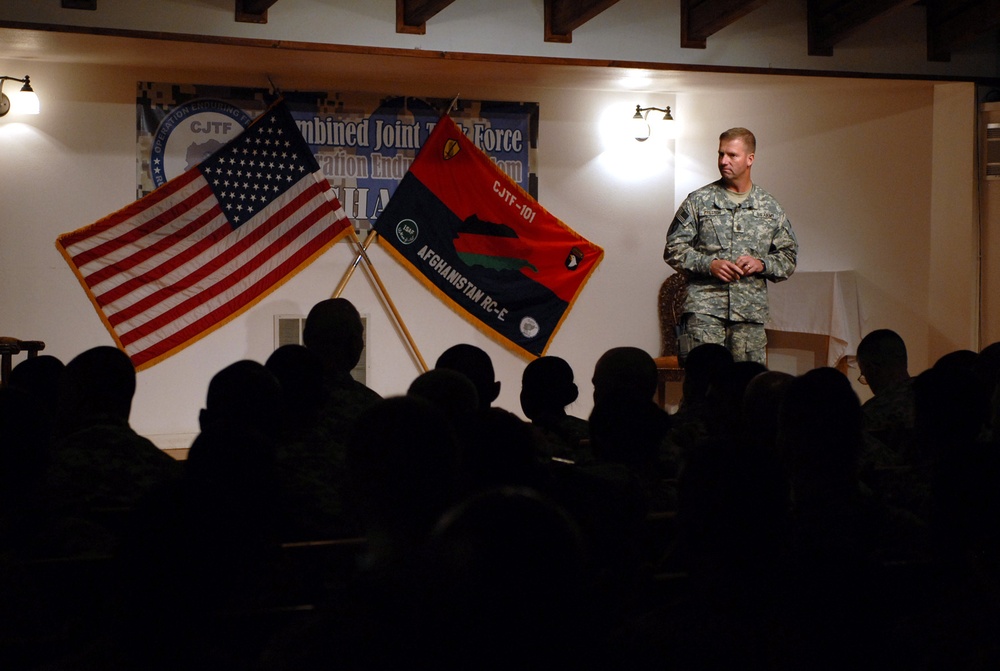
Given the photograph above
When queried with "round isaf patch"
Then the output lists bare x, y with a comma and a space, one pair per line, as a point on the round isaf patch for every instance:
406, 231
529, 327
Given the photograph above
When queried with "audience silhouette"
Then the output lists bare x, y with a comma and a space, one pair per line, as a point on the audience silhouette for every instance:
335, 332
473, 538
451, 391
39, 375
475, 364
99, 462
888, 416
547, 387
309, 460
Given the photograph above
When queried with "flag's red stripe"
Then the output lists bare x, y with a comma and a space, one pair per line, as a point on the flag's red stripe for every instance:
146, 253
244, 298
150, 200
229, 280
224, 257
164, 219
173, 262
132, 211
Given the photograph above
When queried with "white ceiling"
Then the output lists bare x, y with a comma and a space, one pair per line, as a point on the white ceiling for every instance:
378, 69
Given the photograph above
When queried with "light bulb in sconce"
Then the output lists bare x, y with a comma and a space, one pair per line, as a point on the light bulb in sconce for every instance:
23, 102
641, 129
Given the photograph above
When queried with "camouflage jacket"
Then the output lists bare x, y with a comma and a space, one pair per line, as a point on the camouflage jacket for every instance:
710, 226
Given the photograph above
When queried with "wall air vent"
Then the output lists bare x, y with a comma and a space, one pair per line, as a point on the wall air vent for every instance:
992, 169
288, 331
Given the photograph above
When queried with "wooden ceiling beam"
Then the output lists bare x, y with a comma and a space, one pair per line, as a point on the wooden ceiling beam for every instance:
562, 17
702, 18
953, 24
831, 21
253, 11
412, 15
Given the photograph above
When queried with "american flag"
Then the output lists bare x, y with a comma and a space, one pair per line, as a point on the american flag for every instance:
206, 246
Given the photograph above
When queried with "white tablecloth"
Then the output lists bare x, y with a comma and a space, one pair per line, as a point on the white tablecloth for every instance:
823, 303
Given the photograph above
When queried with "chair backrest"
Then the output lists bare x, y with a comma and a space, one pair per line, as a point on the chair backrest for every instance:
673, 291
11, 346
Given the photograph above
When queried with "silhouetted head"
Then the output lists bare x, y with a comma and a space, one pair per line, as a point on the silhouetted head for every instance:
727, 387
547, 387
882, 359
335, 332
246, 394
299, 371
761, 403
951, 406
701, 365
447, 389
476, 365
627, 431
625, 372
819, 426
99, 381
961, 358
39, 376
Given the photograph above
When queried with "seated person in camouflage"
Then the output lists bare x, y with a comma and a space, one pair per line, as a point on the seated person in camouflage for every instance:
99, 461
889, 415
334, 331
728, 237
547, 387
474, 363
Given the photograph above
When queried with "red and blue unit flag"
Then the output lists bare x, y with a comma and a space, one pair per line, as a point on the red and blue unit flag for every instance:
484, 245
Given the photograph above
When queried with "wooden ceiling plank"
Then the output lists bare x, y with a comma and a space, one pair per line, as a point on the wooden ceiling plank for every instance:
253, 11
950, 28
829, 22
702, 18
412, 15
562, 17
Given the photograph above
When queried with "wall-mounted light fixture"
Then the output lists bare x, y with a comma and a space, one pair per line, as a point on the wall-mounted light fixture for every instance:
24, 101
640, 123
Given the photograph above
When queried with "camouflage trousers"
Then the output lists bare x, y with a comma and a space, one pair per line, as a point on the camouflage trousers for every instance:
746, 340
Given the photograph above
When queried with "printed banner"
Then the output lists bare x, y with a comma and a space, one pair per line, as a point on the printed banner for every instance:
210, 243
483, 244
363, 143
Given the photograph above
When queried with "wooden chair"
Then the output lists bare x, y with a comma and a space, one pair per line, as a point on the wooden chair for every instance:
673, 291
11, 346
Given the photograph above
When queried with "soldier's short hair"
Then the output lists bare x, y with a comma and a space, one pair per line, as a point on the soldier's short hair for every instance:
882, 347
749, 141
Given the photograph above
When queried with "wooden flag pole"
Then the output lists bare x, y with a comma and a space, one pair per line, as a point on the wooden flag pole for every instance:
363, 254
350, 271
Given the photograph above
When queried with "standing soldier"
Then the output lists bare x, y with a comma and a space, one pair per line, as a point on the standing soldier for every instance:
728, 237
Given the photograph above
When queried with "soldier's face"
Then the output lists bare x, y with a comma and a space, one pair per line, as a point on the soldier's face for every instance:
734, 161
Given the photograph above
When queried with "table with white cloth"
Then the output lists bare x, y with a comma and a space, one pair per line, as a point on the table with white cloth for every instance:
823, 303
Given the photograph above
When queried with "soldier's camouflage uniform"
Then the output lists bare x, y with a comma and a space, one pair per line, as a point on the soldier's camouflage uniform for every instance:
709, 225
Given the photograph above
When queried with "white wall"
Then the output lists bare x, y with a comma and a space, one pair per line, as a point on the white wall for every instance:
853, 165
876, 177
